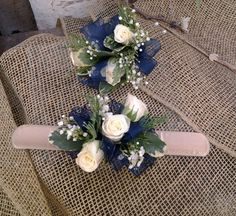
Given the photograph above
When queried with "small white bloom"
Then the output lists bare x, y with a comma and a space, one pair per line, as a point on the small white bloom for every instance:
90, 156
122, 34
61, 132
136, 106
146, 82
133, 10
60, 123
164, 31
156, 23
115, 126
185, 23
148, 39
137, 24
140, 50
71, 118
85, 134
120, 18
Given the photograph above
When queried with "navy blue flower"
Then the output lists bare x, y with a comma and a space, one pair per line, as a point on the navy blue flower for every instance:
81, 115
113, 154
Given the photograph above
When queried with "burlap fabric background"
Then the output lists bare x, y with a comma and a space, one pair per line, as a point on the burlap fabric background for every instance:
201, 92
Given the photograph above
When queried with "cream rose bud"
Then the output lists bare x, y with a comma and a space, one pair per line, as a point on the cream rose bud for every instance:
109, 72
136, 106
122, 34
115, 126
90, 156
76, 61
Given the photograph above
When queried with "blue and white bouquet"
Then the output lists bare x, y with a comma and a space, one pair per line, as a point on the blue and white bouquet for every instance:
114, 52
122, 134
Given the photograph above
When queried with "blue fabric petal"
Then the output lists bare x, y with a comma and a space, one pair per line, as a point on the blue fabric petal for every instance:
73, 154
134, 130
113, 154
96, 76
147, 162
145, 61
116, 107
98, 30
81, 115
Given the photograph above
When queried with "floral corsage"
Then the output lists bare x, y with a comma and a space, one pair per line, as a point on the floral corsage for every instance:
123, 135
114, 52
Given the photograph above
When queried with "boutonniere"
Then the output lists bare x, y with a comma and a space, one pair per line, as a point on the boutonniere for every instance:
114, 52
122, 134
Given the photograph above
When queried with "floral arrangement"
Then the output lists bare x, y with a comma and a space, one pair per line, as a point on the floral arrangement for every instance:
122, 134
112, 53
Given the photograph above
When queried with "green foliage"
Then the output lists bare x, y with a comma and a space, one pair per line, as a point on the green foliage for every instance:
148, 122
151, 143
91, 131
76, 42
61, 141
83, 71
106, 88
85, 58
111, 44
95, 108
130, 114
127, 15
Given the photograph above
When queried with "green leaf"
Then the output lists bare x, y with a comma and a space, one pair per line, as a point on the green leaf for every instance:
92, 131
64, 144
85, 58
148, 122
106, 88
111, 44
76, 42
152, 143
82, 71
130, 114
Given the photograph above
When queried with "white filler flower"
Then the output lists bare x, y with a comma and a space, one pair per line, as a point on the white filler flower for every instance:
136, 106
115, 126
90, 156
122, 34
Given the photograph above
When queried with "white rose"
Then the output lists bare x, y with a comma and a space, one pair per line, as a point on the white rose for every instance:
90, 156
76, 61
136, 106
122, 34
114, 127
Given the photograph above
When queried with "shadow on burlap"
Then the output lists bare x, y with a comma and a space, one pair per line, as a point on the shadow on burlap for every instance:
41, 73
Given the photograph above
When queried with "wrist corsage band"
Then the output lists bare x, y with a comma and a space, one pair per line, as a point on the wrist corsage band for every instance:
114, 52
122, 134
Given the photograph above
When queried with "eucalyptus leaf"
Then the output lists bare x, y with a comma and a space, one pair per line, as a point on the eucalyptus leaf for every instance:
64, 144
